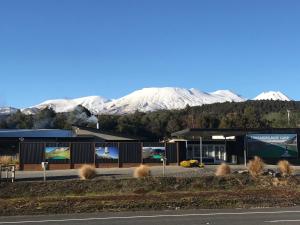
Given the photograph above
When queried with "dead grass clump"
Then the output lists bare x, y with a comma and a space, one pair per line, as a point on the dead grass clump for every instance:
5, 160
87, 172
141, 171
223, 170
276, 182
285, 168
256, 166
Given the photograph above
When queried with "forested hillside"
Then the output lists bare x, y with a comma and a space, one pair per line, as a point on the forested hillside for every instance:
249, 114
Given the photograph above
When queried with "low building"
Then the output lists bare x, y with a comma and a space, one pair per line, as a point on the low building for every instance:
67, 149
239, 145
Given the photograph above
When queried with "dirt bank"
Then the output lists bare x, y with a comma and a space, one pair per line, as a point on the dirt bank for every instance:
152, 193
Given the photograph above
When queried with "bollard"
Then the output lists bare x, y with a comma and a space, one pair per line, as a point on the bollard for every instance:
164, 161
6, 170
44, 166
13, 173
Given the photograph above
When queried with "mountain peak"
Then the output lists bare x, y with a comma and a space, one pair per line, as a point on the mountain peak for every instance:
94, 103
272, 95
152, 99
145, 100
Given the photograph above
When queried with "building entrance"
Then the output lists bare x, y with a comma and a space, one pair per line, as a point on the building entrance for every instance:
215, 152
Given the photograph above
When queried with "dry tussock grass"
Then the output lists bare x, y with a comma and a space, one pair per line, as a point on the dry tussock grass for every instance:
285, 168
141, 171
223, 170
87, 172
276, 182
5, 160
256, 166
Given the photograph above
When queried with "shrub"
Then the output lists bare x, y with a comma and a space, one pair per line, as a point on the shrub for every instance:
285, 168
223, 170
142, 171
87, 172
256, 166
5, 160
185, 164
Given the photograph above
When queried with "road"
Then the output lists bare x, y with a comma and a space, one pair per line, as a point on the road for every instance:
108, 173
282, 216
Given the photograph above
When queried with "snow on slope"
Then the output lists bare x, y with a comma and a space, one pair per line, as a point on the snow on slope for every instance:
93, 103
152, 99
272, 95
228, 96
7, 110
144, 100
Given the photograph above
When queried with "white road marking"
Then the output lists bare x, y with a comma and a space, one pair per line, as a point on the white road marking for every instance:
150, 216
281, 221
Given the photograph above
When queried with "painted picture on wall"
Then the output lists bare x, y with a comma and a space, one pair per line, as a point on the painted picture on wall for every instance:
107, 153
272, 145
57, 153
153, 152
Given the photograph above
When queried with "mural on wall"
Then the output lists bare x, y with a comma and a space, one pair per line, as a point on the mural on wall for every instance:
107, 153
57, 153
153, 152
272, 145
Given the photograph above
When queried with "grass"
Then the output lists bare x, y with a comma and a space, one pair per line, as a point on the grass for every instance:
223, 170
87, 172
142, 171
155, 193
5, 160
256, 166
285, 168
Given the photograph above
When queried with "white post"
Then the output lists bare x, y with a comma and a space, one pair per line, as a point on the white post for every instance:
186, 149
6, 168
13, 173
44, 166
44, 174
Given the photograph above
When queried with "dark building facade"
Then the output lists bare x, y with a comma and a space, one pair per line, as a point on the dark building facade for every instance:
67, 149
239, 145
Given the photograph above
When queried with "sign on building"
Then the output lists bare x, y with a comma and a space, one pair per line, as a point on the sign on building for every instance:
272, 145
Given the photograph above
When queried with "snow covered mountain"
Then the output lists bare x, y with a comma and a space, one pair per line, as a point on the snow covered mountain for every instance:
145, 100
7, 110
152, 99
93, 103
272, 95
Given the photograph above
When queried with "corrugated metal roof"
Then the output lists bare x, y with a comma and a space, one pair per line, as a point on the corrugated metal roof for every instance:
201, 132
36, 133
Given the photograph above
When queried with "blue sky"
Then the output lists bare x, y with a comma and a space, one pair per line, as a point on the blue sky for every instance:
70, 48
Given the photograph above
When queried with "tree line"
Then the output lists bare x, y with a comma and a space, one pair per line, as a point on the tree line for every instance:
160, 124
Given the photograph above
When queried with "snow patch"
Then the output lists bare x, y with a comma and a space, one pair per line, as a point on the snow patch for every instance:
272, 95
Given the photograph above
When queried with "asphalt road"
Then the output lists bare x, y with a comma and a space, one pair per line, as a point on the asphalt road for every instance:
279, 216
109, 173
